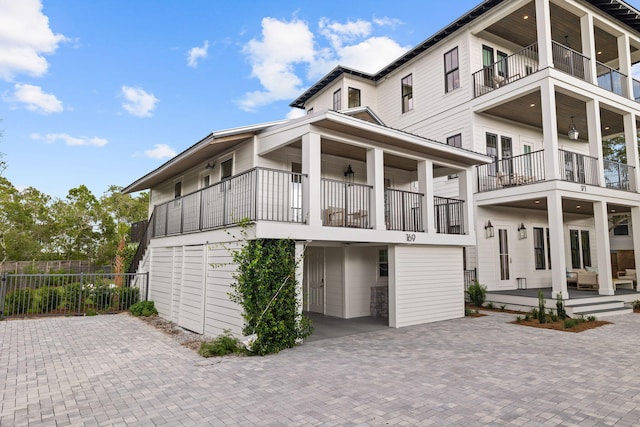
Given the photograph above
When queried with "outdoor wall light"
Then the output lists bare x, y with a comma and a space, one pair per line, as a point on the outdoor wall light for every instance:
349, 173
573, 132
210, 165
522, 231
488, 230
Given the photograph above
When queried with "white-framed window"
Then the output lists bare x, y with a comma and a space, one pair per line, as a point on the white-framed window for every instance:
383, 263
407, 93
177, 190
354, 97
451, 70
337, 100
226, 169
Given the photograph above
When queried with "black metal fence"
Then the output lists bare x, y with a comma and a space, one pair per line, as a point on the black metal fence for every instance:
403, 210
470, 277
345, 204
506, 71
580, 168
449, 215
26, 295
512, 171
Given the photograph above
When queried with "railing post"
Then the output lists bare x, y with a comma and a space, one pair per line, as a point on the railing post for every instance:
80, 293
146, 287
3, 291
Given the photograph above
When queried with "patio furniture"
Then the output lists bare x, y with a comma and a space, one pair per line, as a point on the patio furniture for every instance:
587, 280
628, 274
622, 283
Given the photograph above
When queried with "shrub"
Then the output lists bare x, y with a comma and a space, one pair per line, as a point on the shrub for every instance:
127, 296
636, 305
221, 346
49, 298
477, 294
144, 309
562, 313
502, 307
542, 318
490, 305
18, 301
570, 323
591, 318
519, 319
102, 296
91, 312
74, 296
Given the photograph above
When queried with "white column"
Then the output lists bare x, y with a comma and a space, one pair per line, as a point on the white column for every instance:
375, 178
601, 219
299, 257
465, 186
543, 30
312, 167
549, 130
392, 301
589, 44
624, 53
595, 137
635, 232
556, 242
425, 186
630, 132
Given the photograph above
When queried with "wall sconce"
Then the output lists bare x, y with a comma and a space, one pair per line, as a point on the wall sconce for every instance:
522, 231
573, 132
210, 165
349, 173
488, 230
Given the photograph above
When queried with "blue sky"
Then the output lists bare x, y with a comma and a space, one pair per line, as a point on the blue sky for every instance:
101, 92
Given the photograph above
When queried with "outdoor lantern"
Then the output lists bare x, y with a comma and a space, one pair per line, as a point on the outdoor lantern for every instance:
522, 231
349, 173
573, 132
488, 230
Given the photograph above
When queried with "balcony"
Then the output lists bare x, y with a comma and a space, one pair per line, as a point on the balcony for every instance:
612, 80
574, 167
571, 62
507, 70
262, 194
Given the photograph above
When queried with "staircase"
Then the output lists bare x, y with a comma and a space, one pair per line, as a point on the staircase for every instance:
597, 309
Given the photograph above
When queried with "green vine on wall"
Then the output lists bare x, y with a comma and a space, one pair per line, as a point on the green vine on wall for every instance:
265, 287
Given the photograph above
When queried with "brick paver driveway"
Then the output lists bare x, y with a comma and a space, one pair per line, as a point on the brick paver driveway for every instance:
117, 370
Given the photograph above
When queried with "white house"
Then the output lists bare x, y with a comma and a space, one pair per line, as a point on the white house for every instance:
379, 181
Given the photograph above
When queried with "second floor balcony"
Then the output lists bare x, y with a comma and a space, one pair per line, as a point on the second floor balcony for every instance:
573, 167
262, 194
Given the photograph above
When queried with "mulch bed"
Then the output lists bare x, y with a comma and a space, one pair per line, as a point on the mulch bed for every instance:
559, 325
188, 339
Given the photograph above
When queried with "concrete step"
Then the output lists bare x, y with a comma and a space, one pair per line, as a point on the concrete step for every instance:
578, 309
607, 312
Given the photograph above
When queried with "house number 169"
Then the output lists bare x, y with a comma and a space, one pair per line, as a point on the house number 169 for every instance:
411, 237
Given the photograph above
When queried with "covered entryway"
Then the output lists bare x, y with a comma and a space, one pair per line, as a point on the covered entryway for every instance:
326, 327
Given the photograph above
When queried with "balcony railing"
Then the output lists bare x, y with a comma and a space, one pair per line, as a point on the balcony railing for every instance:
449, 215
611, 80
345, 204
507, 70
510, 172
257, 194
617, 175
571, 62
403, 210
636, 90
579, 168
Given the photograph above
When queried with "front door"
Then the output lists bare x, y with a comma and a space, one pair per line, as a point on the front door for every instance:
315, 279
504, 259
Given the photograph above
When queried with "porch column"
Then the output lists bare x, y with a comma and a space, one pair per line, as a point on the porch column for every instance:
549, 130
635, 234
595, 137
299, 257
601, 219
556, 242
392, 300
425, 186
630, 132
624, 53
312, 186
465, 191
375, 178
589, 45
543, 32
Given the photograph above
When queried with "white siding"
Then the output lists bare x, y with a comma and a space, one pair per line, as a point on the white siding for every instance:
428, 284
220, 312
361, 274
161, 279
177, 284
334, 281
192, 289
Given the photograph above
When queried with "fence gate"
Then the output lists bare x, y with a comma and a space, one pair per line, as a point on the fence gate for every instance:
26, 295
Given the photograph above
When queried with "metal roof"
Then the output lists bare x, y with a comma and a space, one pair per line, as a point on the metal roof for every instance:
616, 8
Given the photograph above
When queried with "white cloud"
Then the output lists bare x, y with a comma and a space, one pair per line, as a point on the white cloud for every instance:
387, 22
160, 151
138, 102
36, 100
195, 53
295, 113
273, 59
25, 37
52, 138
289, 51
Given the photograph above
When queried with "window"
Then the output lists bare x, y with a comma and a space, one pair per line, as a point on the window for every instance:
296, 175
538, 248
226, 169
503, 65
383, 263
580, 248
206, 180
337, 100
177, 190
586, 248
621, 229
354, 97
451, 70
455, 140
407, 93
492, 151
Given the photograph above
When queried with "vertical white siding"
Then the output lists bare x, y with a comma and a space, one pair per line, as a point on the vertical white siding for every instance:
177, 284
428, 284
334, 281
161, 279
192, 289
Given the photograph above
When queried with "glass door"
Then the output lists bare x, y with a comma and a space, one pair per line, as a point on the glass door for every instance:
504, 260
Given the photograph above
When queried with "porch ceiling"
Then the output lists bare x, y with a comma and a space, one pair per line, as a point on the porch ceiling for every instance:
572, 206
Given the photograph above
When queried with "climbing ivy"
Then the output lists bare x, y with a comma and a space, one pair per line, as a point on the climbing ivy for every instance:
265, 287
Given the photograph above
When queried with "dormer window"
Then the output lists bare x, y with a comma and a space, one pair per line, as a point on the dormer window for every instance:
407, 93
451, 70
337, 100
354, 97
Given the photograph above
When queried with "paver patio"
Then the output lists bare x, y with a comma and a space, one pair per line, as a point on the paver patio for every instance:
117, 370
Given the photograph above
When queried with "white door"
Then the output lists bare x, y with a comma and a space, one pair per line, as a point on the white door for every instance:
315, 279
191, 315
504, 258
